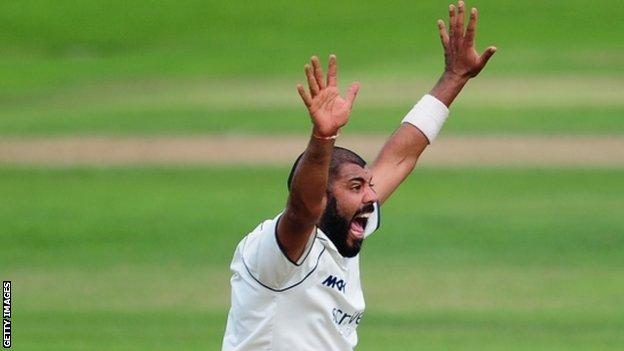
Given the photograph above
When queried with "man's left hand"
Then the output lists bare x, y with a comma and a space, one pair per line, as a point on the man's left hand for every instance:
460, 55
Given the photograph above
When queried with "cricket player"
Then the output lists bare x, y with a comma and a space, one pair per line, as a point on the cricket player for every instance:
296, 278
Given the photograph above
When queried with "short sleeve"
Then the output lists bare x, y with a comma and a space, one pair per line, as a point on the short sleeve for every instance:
265, 261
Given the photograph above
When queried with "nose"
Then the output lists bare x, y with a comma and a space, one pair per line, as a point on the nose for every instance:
370, 196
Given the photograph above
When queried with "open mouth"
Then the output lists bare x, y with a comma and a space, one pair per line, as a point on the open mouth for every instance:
358, 223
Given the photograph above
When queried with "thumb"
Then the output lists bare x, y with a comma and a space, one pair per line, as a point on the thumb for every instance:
352, 92
485, 57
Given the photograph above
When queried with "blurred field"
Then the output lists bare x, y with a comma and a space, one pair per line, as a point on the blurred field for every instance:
138, 258
52, 44
490, 105
467, 259
212, 66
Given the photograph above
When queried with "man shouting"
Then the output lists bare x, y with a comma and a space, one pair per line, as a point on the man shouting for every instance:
296, 277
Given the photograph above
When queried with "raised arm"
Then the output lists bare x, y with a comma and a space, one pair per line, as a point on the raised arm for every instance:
398, 156
307, 198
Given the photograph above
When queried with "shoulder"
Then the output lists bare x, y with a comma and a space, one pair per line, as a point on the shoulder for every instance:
265, 262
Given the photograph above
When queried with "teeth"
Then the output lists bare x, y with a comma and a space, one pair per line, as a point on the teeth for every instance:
364, 215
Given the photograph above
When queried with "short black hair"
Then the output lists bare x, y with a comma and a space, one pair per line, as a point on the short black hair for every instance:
340, 156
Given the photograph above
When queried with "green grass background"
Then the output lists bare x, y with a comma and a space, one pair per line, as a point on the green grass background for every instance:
138, 258
157, 67
467, 259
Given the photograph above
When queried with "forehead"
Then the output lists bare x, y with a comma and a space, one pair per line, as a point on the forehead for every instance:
350, 171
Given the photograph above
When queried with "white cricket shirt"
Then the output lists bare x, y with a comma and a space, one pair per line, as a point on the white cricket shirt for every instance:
313, 304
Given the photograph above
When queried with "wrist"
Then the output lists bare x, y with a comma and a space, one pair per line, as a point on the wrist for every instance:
428, 115
448, 87
455, 78
325, 135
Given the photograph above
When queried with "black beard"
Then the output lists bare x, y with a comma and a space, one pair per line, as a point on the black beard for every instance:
336, 228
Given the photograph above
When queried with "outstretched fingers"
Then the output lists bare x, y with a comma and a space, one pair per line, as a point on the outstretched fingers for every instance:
332, 71
318, 72
459, 43
483, 59
452, 21
312, 83
444, 38
459, 25
352, 93
307, 99
472, 27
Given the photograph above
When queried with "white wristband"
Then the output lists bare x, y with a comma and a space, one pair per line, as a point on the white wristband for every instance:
428, 115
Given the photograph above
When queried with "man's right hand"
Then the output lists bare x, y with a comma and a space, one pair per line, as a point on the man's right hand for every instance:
307, 197
328, 110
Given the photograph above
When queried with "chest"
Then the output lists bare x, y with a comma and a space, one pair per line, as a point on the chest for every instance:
331, 294
338, 280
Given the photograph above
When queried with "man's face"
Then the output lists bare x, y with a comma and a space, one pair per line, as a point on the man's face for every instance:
349, 203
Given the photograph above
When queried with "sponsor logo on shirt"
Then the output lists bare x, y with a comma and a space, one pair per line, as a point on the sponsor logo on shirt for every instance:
334, 282
341, 317
346, 322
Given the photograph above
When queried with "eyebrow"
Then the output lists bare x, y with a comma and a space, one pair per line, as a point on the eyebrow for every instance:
360, 179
